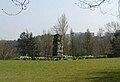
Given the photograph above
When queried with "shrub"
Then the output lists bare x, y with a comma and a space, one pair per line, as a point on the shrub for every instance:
25, 58
102, 56
81, 57
42, 58
16, 58
56, 59
65, 58
74, 58
89, 57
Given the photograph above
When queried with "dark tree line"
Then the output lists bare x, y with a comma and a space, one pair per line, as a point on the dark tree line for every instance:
78, 45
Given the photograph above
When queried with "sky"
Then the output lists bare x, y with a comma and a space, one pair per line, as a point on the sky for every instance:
43, 15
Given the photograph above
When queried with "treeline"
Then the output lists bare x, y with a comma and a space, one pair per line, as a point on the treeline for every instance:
74, 44
84, 44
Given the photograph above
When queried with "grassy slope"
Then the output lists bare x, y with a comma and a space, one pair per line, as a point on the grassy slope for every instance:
95, 70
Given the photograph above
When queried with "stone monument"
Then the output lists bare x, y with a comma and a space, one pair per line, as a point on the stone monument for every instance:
57, 46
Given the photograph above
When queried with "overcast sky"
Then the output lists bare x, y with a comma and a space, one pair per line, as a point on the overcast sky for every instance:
43, 14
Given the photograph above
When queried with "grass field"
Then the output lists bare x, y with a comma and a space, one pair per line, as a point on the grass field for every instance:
93, 70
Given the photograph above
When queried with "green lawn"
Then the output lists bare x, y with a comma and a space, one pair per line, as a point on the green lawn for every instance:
93, 70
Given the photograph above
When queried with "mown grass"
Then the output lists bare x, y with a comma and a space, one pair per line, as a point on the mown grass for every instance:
91, 70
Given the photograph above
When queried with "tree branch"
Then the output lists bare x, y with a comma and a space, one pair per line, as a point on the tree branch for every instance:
22, 5
87, 4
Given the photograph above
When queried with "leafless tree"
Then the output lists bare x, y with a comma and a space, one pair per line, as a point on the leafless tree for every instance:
61, 28
112, 27
18, 3
7, 50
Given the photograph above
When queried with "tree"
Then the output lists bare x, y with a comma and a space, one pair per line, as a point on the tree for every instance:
88, 43
27, 45
116, 44
102, 44
61, 28
18, 3
73, 44
112, 27
46, 41
7, 50
79, 44
99, 45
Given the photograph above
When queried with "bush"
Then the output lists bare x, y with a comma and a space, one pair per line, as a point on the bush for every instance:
56, 59
89, 57
102, 56
81, 57
112, 55
42, 58
59, 58
17, 58
74, 58
68, 57
65, 58
25, 58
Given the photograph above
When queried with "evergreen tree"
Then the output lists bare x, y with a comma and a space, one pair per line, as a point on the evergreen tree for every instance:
88, 43
27, 45
116, 44
73, 44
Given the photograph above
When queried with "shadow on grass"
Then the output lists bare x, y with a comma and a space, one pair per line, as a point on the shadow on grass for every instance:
113, 76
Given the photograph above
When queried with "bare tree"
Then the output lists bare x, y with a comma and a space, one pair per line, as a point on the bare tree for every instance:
18, 3
7, 50
112, 27
61, 28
